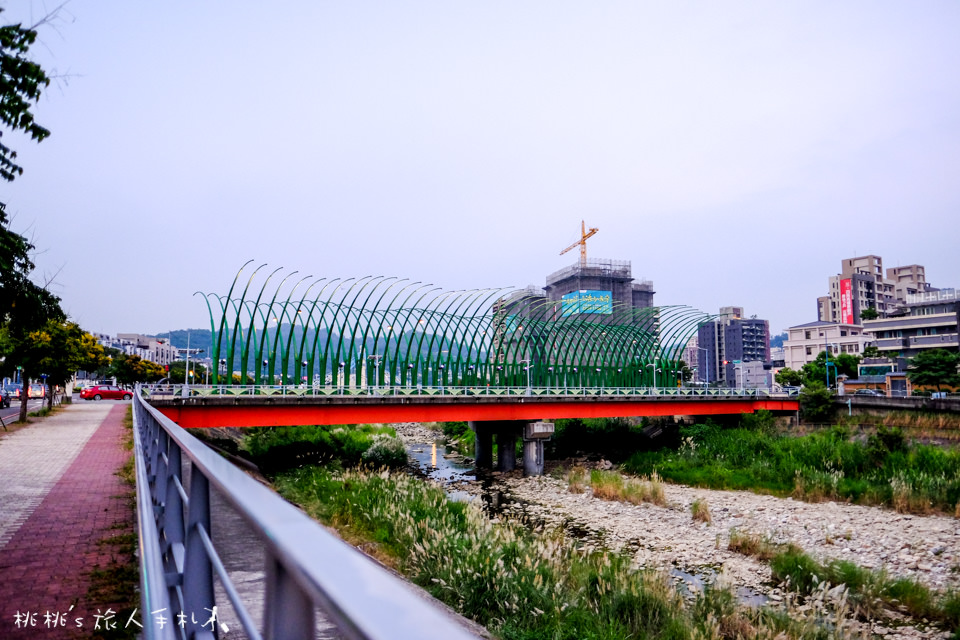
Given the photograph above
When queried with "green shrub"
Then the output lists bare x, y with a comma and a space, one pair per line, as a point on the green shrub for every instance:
386, 451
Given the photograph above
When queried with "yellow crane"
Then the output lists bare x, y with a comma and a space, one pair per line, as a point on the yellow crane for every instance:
584, 234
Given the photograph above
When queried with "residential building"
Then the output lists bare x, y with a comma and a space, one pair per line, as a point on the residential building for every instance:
861, 285
926, 320
728, 341
805, 342
158, 350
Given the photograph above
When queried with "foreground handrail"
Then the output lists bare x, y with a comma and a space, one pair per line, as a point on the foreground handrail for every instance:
306, 566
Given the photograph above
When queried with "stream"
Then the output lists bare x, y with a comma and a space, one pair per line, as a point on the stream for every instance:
452, 471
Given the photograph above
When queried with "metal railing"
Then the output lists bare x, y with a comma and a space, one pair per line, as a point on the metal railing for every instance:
307, 568
161, 392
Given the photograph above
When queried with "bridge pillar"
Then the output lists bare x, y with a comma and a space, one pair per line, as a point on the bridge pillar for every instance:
533, 457
507, 432
483, 446
507, 446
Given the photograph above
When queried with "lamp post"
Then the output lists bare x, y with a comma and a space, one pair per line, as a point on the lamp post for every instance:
654, 374
706, 367
529, 364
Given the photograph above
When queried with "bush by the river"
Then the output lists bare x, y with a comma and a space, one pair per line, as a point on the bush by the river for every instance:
276, 449
881, 469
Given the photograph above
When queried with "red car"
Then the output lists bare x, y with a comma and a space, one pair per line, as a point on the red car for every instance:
105, 392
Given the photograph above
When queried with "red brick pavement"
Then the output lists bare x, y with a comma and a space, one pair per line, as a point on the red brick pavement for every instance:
45, 567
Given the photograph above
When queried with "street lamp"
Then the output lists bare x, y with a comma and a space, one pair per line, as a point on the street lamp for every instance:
529, 364
654, 374
706, 367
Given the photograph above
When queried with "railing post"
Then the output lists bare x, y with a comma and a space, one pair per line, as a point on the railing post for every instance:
289, 612
172, 528
198, 599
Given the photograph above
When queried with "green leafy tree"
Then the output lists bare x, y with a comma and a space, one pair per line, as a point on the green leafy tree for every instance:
816, 402
21, 83
788, 377
869, 314
935, 368
178, 369
842, 364
130, 369
870, 351
55, 351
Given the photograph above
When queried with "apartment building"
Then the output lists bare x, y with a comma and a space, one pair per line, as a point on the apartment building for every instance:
728, 342
862, 284
927, 320
805, 342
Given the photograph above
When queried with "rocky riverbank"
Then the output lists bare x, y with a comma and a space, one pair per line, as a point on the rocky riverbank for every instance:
925, 548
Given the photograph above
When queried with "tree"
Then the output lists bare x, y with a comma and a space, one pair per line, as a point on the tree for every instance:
132, 369
842, 364
788, 377
816, 402
21, 83
869, 314
55, 351
935, 368
177, 372
871, 351
24, 306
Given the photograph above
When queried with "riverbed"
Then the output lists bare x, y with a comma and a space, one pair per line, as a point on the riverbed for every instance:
925, 548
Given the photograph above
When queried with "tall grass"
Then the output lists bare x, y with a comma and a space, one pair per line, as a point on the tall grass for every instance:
519, 584
614, 486
867, 589
884, 469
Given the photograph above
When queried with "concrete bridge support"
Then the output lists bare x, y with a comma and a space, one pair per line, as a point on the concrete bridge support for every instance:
507, 432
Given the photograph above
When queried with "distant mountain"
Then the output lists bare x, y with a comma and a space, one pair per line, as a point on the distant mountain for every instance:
777, 341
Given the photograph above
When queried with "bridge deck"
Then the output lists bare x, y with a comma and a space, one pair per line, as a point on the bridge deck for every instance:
253, 411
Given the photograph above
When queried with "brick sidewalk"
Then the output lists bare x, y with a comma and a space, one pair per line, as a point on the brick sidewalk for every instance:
45, 566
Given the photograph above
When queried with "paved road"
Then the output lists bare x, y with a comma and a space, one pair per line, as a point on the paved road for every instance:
13, 412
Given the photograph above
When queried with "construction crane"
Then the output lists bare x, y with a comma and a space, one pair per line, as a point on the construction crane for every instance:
584, 234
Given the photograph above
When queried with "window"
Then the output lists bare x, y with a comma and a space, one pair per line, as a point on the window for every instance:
806, 335
809, 351
843, 332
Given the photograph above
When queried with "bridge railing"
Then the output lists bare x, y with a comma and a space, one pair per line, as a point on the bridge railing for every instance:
307, 568
180, 391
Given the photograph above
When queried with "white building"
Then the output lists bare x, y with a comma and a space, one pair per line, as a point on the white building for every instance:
804, 342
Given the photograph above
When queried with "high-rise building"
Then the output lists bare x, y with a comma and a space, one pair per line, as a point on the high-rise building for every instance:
729, 341
861, 285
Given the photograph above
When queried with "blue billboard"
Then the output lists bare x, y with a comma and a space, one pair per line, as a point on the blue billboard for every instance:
587, 302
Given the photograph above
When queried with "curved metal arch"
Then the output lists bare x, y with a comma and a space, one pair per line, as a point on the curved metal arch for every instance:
223, 317
285, 354
342, 327
266, 327
236, 324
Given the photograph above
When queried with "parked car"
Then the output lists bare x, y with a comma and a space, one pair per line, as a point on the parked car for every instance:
4, 397
37, 391
14, 390
867, 392
105, 392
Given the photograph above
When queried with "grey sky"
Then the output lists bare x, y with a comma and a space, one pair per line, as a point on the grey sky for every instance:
735, 152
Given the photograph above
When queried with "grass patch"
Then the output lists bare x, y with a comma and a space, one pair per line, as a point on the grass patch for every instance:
829, 465
614, 486
868, 591
700, 511
751, 544
519, 584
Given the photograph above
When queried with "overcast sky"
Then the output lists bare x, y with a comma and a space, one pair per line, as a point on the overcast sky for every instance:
735, 152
